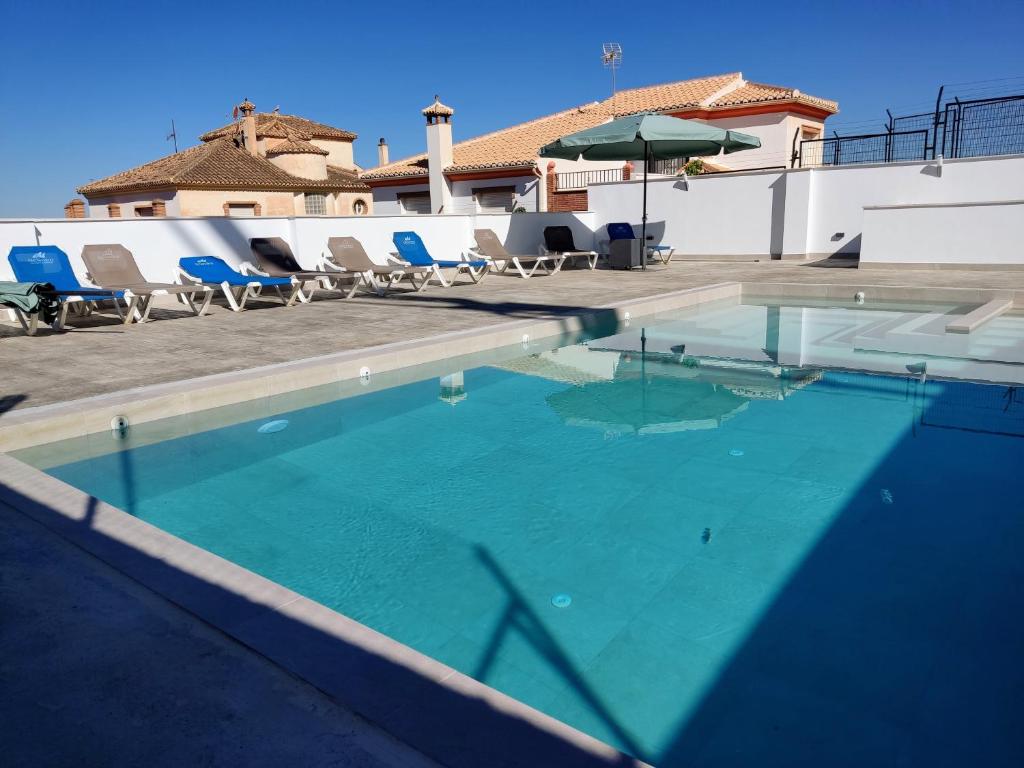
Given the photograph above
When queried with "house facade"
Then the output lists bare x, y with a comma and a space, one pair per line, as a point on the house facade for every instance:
502, 171
263, 164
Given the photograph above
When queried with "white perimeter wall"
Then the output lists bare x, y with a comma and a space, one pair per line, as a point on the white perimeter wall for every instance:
157, 244
979, 233
817, 211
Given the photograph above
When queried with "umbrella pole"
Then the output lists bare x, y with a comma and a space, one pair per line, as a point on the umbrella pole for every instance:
643, 225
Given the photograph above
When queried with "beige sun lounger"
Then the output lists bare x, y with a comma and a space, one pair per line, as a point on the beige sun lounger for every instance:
113, 267
348, 254
490, 247
274, 258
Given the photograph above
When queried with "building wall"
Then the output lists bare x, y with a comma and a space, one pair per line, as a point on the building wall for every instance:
305, 165
525, 192
385, 199
339, 152
128, 202
210, 202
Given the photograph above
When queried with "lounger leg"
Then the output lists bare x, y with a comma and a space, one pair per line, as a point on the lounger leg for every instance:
476, 275
229, 295
204, 308
62, 316
442, 279
302, 297
290, 299
356, 282
142, 310
133, 308
29, 324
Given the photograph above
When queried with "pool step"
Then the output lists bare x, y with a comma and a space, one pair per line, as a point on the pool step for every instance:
975, 318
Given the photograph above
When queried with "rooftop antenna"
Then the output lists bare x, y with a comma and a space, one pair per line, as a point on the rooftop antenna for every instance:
173, 135
611, 57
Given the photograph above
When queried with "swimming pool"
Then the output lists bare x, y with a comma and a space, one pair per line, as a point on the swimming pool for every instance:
748, 533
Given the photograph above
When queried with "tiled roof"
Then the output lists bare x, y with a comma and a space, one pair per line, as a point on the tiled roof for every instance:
518, 145
218, 164
508, 148
753, 93
678, 95
295, 146
293, 122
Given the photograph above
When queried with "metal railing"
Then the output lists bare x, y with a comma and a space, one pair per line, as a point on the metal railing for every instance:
957, 128
868, 148
580, 179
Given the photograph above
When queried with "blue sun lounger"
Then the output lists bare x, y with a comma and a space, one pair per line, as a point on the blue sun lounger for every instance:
411, 249
49, 264
215, 272
623, 231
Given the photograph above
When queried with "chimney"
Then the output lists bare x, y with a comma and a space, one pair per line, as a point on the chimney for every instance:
382, 152
248, 109
439, 154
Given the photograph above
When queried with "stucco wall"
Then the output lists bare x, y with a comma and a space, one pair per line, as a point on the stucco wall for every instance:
801, 211
339, 152
207, 202
128, 202
305, 165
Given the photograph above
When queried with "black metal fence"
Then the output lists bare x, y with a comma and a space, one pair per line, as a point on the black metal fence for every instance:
580, 179
975, 128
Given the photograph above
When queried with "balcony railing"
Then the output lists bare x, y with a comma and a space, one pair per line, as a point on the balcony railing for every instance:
580, 179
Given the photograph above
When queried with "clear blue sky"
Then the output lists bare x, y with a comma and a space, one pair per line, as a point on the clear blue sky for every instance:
89, 88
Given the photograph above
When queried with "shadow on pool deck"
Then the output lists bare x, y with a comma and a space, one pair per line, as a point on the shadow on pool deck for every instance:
457, 729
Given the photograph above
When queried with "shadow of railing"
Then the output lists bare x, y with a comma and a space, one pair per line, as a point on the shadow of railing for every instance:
519, 617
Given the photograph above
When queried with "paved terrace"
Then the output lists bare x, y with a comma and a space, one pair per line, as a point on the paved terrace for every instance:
102, 356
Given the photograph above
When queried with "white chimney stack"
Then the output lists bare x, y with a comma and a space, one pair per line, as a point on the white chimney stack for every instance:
439, 154
382, 152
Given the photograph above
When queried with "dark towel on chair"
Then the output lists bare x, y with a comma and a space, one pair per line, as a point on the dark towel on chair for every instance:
31, 298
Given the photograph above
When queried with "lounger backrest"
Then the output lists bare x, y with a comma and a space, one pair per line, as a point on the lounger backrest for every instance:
489, 243
209, 269
348, 253
274, 256
621, 231
43, 264
559, 239
410, 247
111, 265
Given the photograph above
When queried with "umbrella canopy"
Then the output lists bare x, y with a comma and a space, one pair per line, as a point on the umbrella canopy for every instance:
653, 137
648, 137
635, 406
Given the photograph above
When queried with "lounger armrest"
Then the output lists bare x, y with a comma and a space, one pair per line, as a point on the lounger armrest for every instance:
394, 258
326, 265
184, 278
247, 268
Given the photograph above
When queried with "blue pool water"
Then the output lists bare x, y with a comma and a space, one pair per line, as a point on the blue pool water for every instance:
686, 539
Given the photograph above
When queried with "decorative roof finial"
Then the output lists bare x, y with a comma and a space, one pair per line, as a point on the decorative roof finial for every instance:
246, 107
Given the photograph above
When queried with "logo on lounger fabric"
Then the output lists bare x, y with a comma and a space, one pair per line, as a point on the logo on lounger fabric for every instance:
39, 257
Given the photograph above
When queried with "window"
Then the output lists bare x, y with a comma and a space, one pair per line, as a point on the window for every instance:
144, 211
240, 209
316, 204
415, 202
495, 199
359, 207
808, 132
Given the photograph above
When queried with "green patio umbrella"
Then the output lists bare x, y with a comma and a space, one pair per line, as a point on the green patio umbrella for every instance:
648, 137
646, 406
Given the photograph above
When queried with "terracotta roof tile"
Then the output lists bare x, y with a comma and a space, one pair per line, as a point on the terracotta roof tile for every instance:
295, 146
753, 93
217, 164
678, 95
518, 145
309, 128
